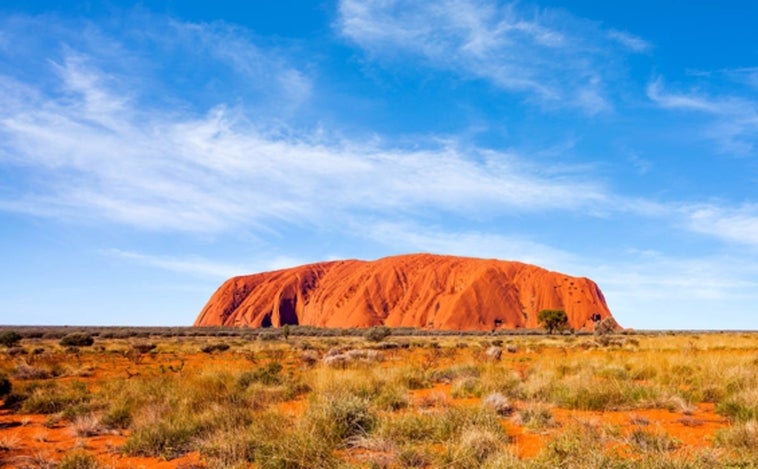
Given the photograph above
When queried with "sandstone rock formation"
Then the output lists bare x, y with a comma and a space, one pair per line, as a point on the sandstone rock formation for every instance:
418, 290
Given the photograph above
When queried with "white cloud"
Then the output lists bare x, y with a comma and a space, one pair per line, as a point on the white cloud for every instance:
193, 265
656, 291
735, 119
105, 158
259, 70
690, 102
635, 43
406, 237
734, 225
200, 266
552, 57
644, 289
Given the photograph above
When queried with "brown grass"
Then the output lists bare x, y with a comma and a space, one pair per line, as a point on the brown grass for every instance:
657, 400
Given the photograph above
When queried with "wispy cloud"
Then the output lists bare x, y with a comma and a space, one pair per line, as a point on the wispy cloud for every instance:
730, 224
203, 267
735, 119
630, 41
549, 55
411, 237
193, 265
105, 156
653, 290
636, 283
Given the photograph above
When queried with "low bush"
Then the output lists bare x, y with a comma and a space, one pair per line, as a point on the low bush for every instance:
392, 398
166, 439
738, 409
742, 437
270, 374
648, 441
9, 338
51, 398
438, 427
78, 460
466, 387
143, 347
377, 334
339, 417
210, 348
119, 416
16, 351
536, 417
274, 442
473, 448
24, 371
77, 339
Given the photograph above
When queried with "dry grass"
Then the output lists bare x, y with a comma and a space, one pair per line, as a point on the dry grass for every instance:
439, 402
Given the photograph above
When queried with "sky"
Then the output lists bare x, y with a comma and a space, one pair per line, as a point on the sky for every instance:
149, 152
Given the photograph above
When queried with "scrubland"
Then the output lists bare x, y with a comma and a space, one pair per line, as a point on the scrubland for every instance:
296, 400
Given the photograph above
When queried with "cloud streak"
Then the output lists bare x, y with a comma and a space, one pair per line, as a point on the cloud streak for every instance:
105, 157
549, 56
203, 267
732, 225
735, 119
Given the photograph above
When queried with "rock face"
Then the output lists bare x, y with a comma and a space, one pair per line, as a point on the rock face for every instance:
419, 290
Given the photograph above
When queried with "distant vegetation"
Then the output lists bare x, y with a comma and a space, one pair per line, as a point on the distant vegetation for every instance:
263, 333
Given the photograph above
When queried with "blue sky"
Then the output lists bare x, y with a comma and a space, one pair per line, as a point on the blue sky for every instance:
147, 153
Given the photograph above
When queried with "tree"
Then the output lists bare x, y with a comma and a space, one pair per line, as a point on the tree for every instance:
553, 319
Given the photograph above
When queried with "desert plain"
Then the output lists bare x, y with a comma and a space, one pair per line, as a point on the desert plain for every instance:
300, 397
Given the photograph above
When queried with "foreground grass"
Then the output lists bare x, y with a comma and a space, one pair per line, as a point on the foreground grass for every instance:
292, 404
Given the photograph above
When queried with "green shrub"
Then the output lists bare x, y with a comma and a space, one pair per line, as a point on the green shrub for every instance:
657, 442
742, 436
602, 395
9, 338
415, 378
737, 410
392, 398
377, 334
277, 444
118, 417
473, 447
268, 375
438, 427
165, 439
78, 460
536, 417
466, 387
339, 417
52, 398
77, 339
580, 446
